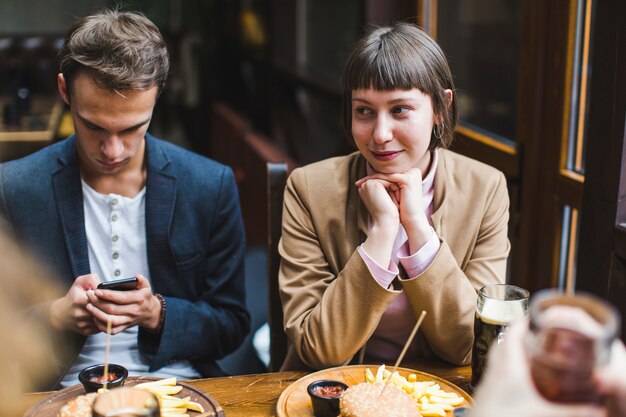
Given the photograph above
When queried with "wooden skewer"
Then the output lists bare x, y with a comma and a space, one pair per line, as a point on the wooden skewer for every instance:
107, 347
404, 349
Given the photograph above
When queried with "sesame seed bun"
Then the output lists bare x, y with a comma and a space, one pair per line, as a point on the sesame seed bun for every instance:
364, 400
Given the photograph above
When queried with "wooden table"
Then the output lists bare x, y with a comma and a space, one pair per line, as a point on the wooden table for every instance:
257, 395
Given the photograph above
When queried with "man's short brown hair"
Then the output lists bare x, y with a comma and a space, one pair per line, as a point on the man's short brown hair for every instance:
120, 50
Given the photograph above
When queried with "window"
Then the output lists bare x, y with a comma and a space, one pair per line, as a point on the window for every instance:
580, 74
569, 249
482, 43
522, 74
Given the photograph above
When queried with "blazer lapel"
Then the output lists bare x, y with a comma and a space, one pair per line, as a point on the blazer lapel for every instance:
439, 194
160, 200
69, 201
359, 170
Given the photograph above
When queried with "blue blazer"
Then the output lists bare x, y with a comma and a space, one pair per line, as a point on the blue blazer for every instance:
195, 243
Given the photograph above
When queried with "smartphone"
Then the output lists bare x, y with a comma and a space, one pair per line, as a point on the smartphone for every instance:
122, 284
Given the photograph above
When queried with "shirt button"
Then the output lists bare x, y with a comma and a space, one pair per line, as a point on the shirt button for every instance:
117, 272
114, 238
114, 217
114, 202
116, 255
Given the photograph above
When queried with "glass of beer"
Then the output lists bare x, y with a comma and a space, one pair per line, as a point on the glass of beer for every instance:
569, 336
497, 307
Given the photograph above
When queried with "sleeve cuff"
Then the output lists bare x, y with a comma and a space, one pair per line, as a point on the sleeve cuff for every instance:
383, 276
418, 262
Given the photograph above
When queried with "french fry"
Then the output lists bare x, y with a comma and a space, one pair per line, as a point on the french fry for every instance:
194, 406
157, 383
174, 402
168, 397
166, 389
445, 394
379, 373
171, 406
442, 400
433, 389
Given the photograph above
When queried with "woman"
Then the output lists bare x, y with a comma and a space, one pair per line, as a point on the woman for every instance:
403, 225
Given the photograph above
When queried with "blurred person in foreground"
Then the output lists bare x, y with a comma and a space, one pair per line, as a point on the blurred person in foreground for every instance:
371, 239
26, 354
507, 388
112, 201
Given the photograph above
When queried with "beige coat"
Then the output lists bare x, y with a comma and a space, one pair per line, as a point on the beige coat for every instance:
331, 302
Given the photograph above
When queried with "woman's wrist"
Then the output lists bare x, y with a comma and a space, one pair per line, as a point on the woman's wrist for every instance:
418, 234
379, 242
384, 232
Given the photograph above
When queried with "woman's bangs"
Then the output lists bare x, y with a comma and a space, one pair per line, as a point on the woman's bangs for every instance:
388, 73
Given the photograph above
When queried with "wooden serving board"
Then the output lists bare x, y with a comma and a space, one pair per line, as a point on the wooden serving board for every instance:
295, 401
50, 406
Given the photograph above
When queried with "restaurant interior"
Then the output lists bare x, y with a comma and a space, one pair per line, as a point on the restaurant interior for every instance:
540, 84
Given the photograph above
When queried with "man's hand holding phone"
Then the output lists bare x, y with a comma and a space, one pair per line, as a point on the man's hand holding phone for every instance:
69, 312
125, 308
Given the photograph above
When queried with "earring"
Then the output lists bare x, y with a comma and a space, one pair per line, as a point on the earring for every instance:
438, 130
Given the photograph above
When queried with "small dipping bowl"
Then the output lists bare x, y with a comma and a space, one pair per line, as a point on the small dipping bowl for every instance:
89, 377
325, 395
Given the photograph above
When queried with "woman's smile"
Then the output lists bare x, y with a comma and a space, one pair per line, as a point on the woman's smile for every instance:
385, 155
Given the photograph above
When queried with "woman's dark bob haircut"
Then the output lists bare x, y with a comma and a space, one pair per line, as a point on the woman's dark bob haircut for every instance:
402, 57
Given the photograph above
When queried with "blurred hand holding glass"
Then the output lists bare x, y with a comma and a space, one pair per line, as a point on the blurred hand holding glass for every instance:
569, 337
498, 306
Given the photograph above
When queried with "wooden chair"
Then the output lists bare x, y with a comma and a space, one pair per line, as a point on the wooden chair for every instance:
226, 136
276, 181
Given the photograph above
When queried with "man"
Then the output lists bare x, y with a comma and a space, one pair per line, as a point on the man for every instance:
112, 201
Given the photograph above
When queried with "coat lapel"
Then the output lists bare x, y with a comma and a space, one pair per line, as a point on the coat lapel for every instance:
439, 194
160, 200
69, 201
358, 171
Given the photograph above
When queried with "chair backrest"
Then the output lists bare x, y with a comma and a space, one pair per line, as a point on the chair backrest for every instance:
227, 129
276, 181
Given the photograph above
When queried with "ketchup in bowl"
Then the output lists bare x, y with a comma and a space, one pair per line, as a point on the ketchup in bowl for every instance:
330, 391
110, 378
325, 395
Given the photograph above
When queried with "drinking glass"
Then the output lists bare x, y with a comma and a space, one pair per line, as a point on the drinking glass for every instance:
569, 336
498, 306
126, 402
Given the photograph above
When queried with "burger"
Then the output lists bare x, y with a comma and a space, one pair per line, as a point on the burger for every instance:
79, 406
365, 400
